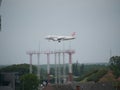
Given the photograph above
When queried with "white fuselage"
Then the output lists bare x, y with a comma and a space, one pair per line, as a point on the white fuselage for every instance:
59, 38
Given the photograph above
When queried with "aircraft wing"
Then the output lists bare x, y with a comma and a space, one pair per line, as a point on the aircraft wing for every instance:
54, 38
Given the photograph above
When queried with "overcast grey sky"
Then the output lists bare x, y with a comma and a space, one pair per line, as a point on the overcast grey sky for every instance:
25, 23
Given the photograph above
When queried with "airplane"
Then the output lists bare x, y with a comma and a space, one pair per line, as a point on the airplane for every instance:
60, 38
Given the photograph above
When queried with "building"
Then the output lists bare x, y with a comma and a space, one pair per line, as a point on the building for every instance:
8, 80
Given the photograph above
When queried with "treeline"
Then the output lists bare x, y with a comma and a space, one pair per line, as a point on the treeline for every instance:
83, 69
79, 70
83, 72
20, 68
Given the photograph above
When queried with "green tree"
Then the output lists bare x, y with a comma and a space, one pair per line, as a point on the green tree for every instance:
29, 82
115, 65
20, 68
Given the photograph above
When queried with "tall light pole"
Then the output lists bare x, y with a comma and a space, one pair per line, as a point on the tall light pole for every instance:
64, 71
38, 70
59, 68
38, 56
48, 66
55, 68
